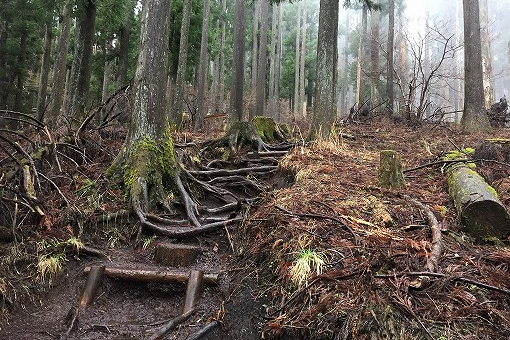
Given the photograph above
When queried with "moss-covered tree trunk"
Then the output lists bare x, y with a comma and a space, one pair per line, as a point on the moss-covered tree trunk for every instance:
148, 155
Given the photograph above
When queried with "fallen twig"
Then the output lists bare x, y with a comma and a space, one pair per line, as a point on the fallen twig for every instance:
203, 331
326, 217
171, 325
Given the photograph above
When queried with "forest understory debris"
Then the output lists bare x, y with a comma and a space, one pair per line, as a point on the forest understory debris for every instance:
417, 270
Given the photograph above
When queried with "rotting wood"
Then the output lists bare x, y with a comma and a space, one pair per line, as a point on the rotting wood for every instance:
154, 275
389, 174
171, 325
193, 290
476, 202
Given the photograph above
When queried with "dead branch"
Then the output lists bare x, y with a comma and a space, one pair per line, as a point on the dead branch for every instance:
326, 217
171, 325
439, 275
228, 172
203, 331
437, 245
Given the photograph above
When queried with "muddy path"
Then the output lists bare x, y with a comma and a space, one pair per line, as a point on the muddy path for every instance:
147, 275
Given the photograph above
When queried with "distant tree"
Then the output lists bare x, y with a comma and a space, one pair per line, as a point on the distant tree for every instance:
202, 68
260, 100
79, 82
45, 69
475, 117
60, 67
178, 102
488, 88
390, 96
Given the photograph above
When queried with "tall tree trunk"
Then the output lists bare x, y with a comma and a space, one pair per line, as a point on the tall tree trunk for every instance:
82, 60
178, 102
275, 56
302, 54
375, 19
236, 94
298, 56
324, 112
108, 75
59, 69
278, 64
344, 67
488, 88
124, 39
361, 65
255, 46
459, 39
45, 70
4, 82
262, 62
389, 49
203, 68
475, 117
20, 77
221, 85
149, 106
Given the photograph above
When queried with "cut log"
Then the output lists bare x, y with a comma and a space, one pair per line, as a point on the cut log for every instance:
148, 275
390, 173
177, 255
476, 202
91, 285
193, 290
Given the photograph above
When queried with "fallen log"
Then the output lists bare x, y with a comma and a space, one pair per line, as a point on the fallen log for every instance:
476, 202
154, 275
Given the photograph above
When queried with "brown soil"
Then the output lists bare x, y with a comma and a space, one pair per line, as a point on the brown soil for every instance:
361, 292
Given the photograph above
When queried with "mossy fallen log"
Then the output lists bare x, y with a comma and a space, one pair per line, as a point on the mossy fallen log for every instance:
476, 202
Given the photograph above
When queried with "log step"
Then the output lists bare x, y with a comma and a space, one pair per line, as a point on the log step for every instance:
177, 255
154, 275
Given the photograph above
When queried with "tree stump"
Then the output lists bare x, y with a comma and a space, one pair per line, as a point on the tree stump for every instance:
476, 202
390, 173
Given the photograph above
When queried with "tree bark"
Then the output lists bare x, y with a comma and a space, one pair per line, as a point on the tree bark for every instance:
389, 65
302, 55
178, 103
375, 19
59, 69
477, 205
475, 117
262, 62
297, 63
324, 113
255, 45
82, 60
488, 88
125, 37
361, 65
203, 69
274, 61
236, 95
45, 70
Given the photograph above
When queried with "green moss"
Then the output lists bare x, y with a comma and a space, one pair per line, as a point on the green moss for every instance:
149, 159
267, 128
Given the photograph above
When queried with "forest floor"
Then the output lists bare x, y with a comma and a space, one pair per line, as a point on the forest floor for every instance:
363, 251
